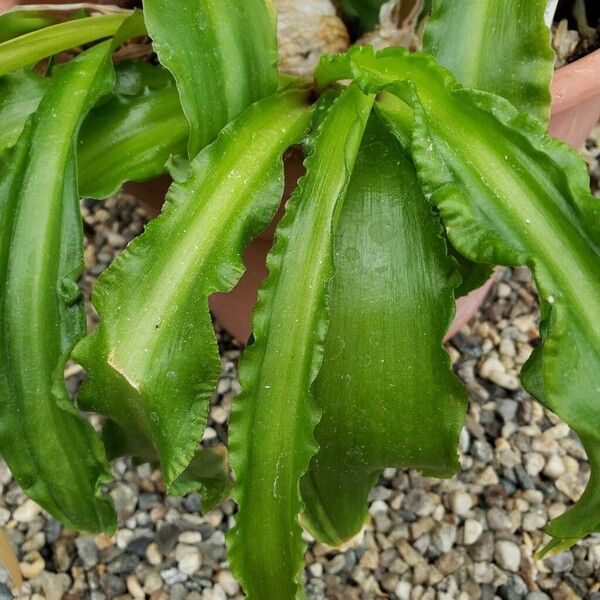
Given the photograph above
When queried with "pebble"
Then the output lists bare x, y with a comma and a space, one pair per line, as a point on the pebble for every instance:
87, 551
188, 558
125, 499
27, 512
134, 587
173, 575
507, 555
166, 537
153, 554
123, 564
444, 537
450, 562
4, 516
32, 565
554, 467
497, 519
460, 503
472, 530
493, 370
419, 502
152, 582
559, 563
228, 583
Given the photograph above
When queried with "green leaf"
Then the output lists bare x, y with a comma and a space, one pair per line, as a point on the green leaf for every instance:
52, 451
366, 12
20, 94
271, 431
32, 47
19, 22
386, 400
500, 47
511, 195
153, 362
132, 135
222, 58
208, 475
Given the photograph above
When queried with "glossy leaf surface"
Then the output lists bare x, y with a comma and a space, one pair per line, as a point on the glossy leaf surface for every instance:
386, 389
516, 62
52, 451
153, 362
511, 195
32, 47
271, 432
16, 22
366, 12
20, 94
222, 59
132, 135
20, 19
500, 47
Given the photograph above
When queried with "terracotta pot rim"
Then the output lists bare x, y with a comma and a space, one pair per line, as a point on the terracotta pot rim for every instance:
577, 82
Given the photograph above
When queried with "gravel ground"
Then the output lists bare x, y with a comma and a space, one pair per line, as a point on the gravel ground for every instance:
469, 537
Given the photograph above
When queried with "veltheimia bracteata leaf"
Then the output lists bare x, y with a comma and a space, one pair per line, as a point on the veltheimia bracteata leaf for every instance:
386, 389
223, 57
153, 362
511, 195
271, 432
28, 49
52, 451
515, 62
131, 136
20, 94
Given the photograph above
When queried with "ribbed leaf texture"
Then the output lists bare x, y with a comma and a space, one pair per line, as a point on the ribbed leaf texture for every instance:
52, 451
32, 47
131, 136
20, 95
386, 389
223, 57
153, 362
500, 47
515, 62
271, 432
511, 195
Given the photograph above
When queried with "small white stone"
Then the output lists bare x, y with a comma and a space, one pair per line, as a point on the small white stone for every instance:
403, 590
153, 582
460, 503
482, 572
190, 537
498, 520
508, 555
533, 521
27, 512
554, 467
472, 531
188, 558
444, 537
134, 587
378, 507
228, 583
534, 463
153, 554
493, 370
33, 565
